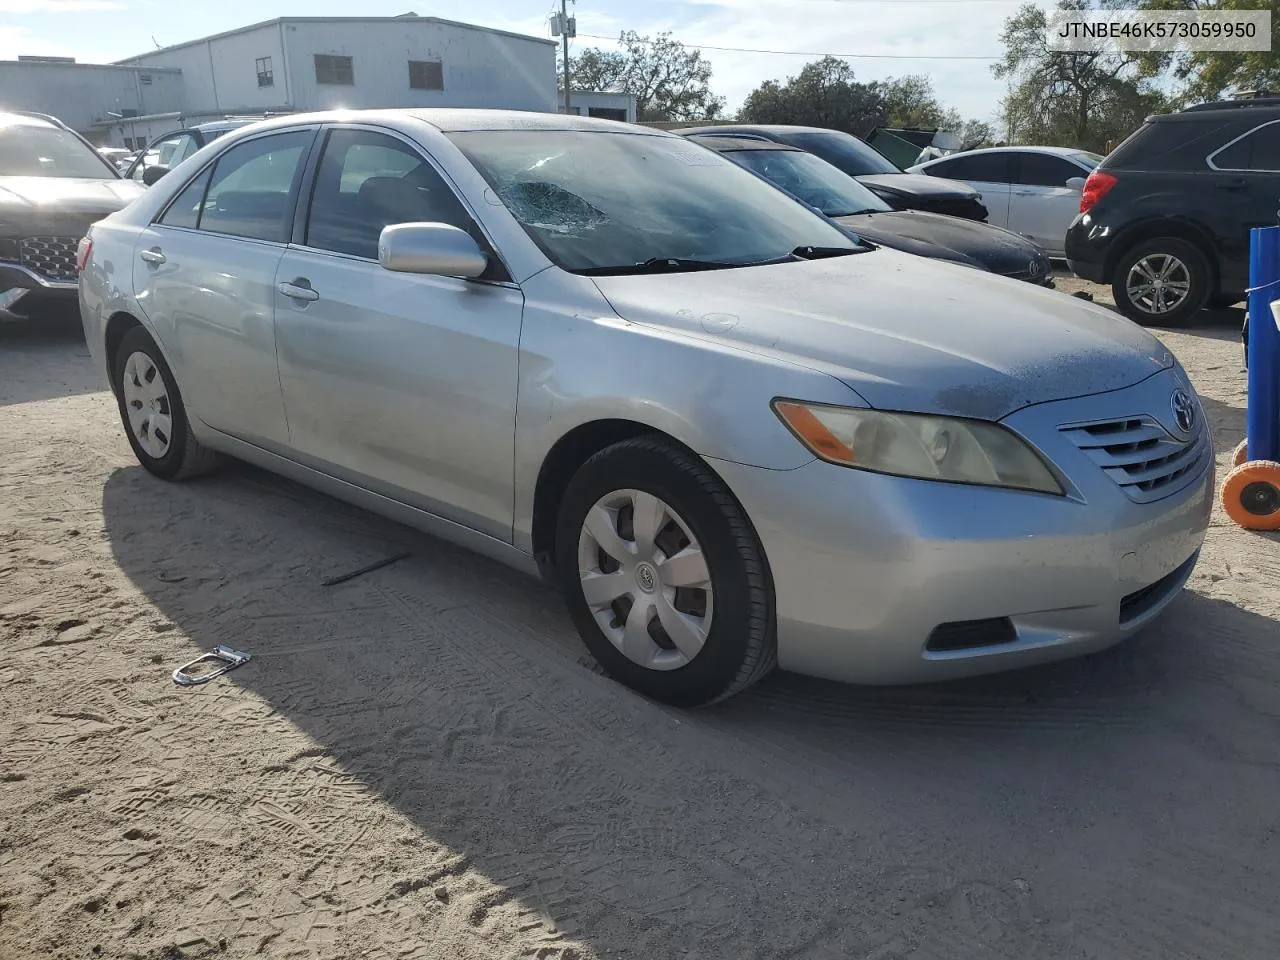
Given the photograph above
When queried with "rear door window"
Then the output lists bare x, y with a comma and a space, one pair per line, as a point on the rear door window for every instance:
251, 191
1257, 151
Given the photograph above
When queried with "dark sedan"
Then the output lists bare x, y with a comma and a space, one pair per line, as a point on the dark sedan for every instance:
818, 184
902, 191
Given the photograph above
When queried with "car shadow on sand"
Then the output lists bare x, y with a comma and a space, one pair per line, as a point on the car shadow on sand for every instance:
1115, 805
45, 358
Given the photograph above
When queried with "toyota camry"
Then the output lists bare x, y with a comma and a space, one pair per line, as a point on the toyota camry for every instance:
730, 433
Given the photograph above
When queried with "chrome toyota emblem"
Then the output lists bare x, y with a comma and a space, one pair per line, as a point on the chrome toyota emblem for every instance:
1184, 410
1033, 266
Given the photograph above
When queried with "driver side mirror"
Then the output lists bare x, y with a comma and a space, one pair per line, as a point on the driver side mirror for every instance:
150, 175
437, 249
1075, 183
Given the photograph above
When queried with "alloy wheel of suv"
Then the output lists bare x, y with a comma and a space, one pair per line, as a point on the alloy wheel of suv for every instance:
1161, 282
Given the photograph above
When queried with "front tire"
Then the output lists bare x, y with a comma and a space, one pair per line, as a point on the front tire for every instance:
1162, 282
151, 409
664, 575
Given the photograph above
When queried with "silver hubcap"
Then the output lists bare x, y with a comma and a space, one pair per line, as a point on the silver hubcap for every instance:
645, 579
1158, 283
146, 401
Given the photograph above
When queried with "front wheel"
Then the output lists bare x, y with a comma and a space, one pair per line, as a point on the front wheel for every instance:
663, 574
1162, 282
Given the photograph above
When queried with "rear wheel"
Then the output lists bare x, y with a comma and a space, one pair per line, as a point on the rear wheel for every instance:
155, 420
1162, 282
664, 575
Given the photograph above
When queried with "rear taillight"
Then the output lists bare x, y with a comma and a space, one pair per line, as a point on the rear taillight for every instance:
1095, 188
83, 251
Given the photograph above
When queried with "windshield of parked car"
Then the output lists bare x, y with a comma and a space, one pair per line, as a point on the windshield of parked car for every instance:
34, 150
603, 202
842, 150
1089, 160
813, 180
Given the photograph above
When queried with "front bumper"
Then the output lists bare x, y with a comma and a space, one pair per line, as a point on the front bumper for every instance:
25, 294
867, 567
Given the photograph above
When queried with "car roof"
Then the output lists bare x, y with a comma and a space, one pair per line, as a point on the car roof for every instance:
753, 127
16, 118
739, 145
1056, 151
459, 119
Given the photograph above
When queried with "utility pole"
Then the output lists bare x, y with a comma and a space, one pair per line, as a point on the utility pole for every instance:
566, 27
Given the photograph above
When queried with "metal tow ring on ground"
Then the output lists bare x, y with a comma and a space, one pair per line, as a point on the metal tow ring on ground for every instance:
229, 657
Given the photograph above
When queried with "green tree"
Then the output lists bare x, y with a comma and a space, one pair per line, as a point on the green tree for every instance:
1070, 99
1209, 75
824, 94
668, 81
910, 102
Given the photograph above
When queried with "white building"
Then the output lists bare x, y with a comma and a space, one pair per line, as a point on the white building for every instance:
606, 106
318, 63
84, 94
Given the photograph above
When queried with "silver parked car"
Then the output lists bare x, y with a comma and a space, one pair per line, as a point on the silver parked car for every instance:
731, 433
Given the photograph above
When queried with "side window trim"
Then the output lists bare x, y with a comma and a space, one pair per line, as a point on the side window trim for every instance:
309, 154
1211, 163
307, 194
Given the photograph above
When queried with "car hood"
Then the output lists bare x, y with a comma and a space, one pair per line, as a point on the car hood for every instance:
906, 333
66, 195
951, 238
915, 185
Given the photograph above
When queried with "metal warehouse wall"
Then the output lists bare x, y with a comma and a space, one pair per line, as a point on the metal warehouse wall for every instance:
220, 72
79, 93
481, 68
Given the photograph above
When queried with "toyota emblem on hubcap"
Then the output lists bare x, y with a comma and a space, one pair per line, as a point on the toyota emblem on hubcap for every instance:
645, 576
1184, 410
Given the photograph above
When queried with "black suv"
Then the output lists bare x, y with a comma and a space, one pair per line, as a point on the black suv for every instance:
1165, 218
53, 185
866, 164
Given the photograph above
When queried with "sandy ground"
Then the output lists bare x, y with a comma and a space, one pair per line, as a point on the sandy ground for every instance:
421, 763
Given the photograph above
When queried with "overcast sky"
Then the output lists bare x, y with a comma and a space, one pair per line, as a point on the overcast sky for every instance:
105, 30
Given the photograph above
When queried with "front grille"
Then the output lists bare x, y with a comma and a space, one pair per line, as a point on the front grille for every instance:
1135, 604
1143, 458
968, 634
52, 257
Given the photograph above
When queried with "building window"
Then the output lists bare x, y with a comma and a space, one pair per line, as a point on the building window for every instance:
144, 79
426, 75
266, 78
607, 113
336, 71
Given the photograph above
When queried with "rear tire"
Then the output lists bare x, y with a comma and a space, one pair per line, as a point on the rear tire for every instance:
629, 514
1162, 282
151, 409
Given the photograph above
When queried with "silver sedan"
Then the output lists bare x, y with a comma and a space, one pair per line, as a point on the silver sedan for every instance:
732, 434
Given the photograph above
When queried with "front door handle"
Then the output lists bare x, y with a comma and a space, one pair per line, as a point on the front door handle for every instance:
1234, 185
299, 289
154, 255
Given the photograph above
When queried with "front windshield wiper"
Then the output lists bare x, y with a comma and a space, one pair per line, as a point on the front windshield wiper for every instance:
820, 253
856, 213
663, 265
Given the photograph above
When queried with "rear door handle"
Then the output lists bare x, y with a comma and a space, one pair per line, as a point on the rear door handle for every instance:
1234, 185
299, 289
154, 255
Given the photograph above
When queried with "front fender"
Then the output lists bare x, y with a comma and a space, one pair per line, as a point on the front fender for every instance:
582, 363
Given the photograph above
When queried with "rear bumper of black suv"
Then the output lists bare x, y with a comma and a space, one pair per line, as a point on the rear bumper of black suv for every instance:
27, 295
1086, 246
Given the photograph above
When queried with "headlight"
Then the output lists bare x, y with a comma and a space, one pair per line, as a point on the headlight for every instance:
912, 445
